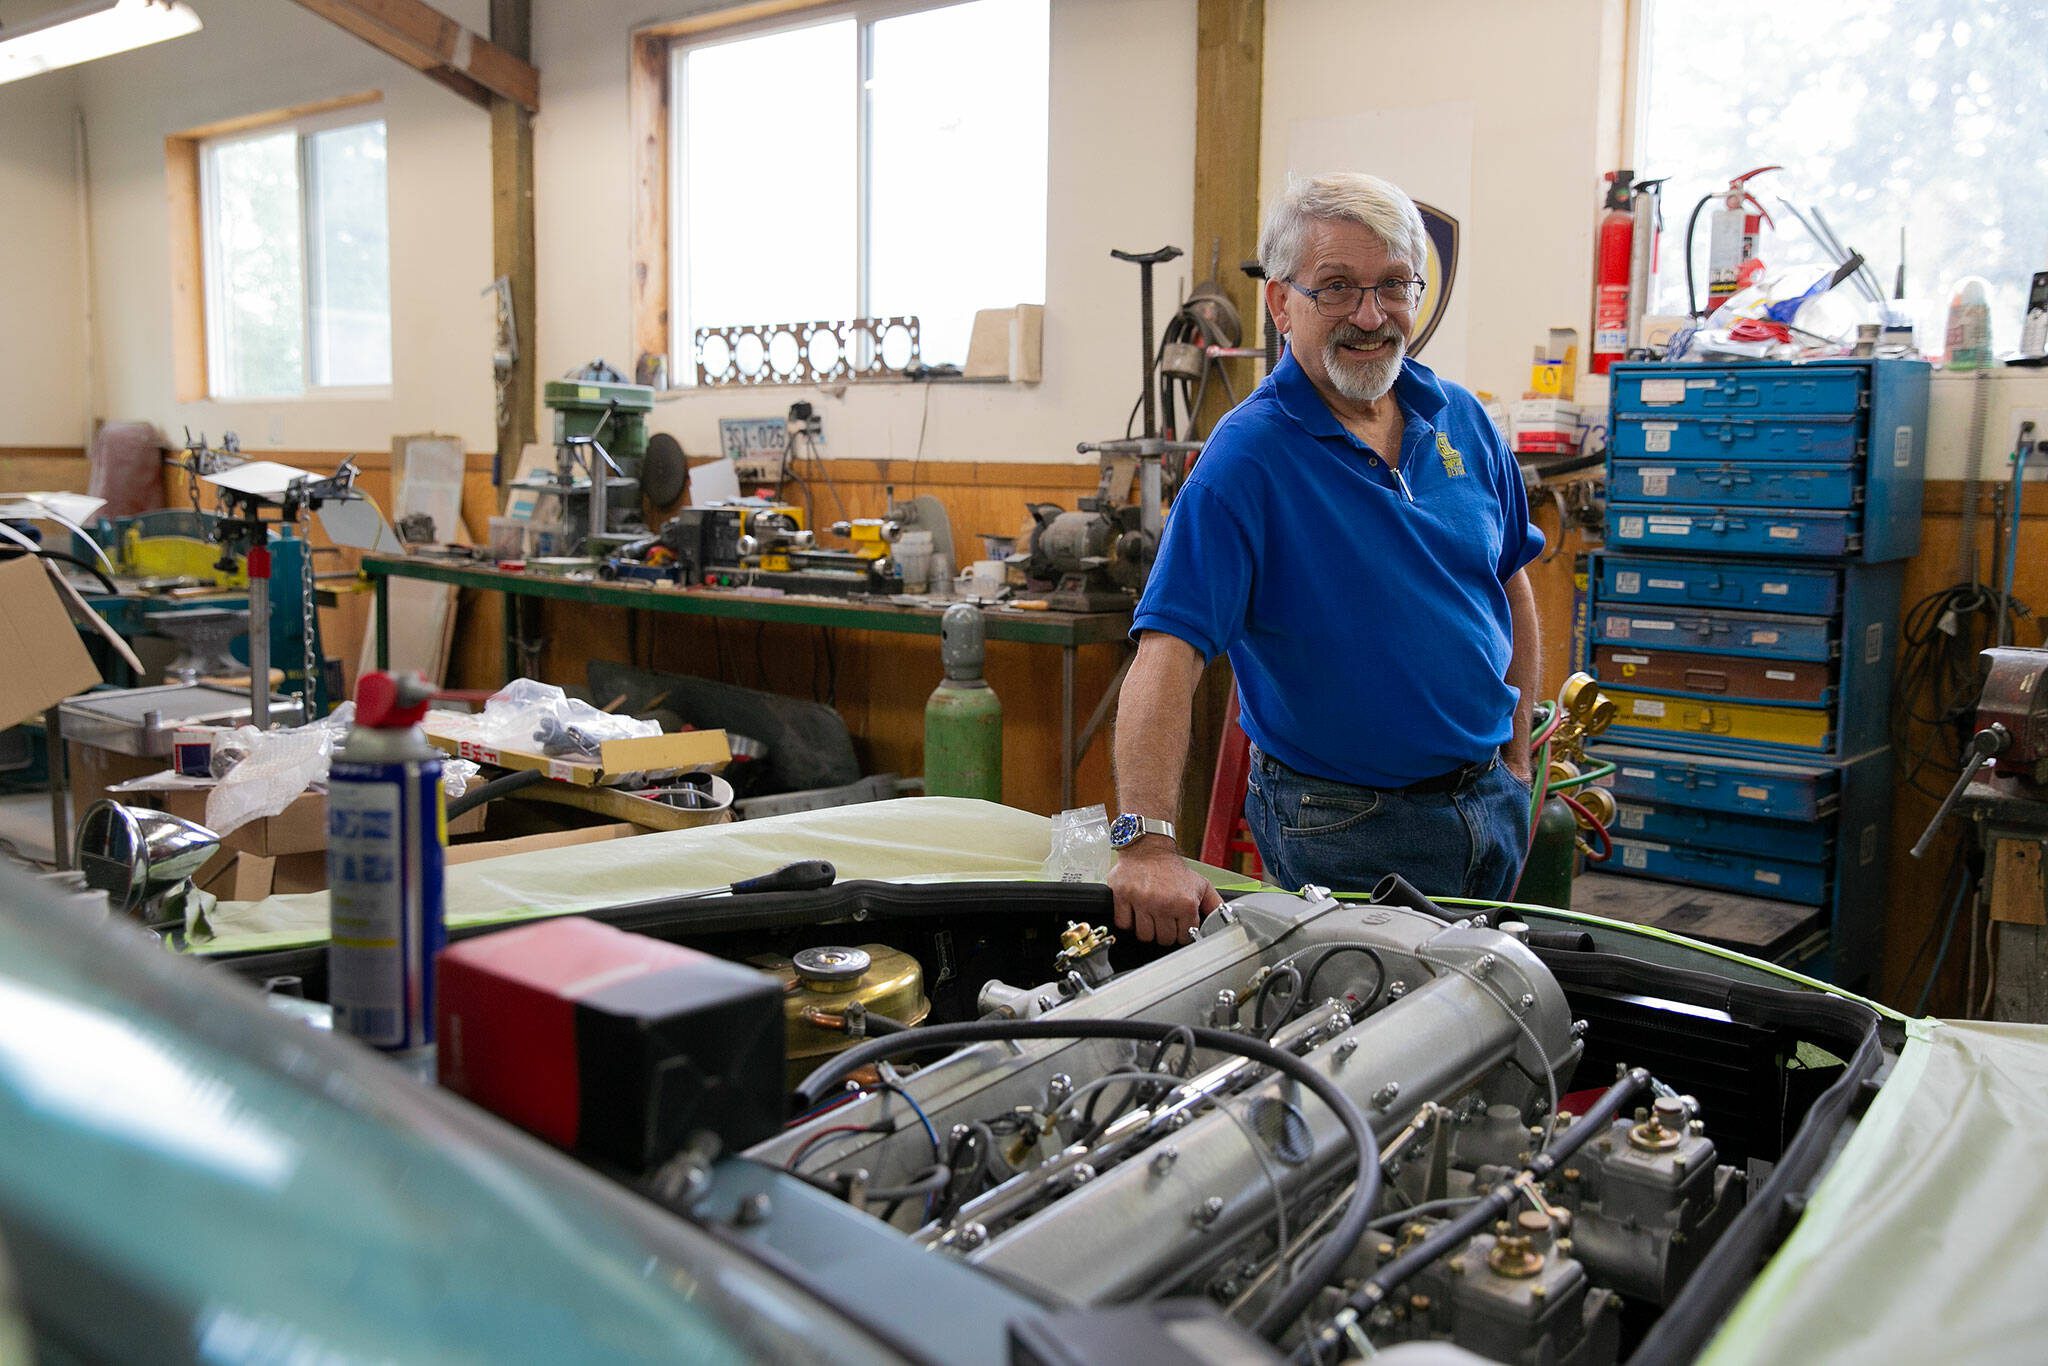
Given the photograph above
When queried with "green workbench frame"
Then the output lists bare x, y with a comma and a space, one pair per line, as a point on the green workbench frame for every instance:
1067, 630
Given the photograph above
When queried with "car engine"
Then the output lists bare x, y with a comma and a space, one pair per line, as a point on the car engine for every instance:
1098, 1171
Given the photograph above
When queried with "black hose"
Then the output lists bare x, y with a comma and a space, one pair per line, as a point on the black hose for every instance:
1454, 1232
9, 551
1379, 965
1320, 1268
1693, 221
879, 1025
495, 788
1291, 974
1395, 890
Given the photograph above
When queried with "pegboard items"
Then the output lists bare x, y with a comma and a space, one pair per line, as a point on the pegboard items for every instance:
808, 353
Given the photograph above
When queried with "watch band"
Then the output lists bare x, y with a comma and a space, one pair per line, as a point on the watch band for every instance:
1128, 828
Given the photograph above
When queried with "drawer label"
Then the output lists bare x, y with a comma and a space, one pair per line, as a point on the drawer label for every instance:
1649, 773
1902, 446
1630, 659
1671, 585
1657, 435
1631, 528
1770, 879
1703, 384
1663, 391
1873, 642
1753, 794
1634, 856
1653, 625
1784, 533
1657, 482
1781, 675
1774, 590
1671, 526
1629, 581
1632, 817
1647, 706
1763, 637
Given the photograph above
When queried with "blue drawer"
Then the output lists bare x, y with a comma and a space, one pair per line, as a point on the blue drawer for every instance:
1709, 782
1744, 873
1761, 390
1745, 531
1796, 841
1681, 583
1731, 484
1821, 438
1761, 635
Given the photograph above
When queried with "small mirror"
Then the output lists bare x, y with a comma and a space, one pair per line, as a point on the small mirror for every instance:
132, 853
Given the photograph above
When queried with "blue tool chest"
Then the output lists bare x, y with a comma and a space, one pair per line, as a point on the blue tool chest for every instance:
1744, 617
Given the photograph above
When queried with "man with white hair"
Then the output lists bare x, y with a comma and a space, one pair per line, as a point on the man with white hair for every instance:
1353, 538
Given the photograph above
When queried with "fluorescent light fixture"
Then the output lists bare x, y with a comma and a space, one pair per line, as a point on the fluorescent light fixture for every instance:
82, 32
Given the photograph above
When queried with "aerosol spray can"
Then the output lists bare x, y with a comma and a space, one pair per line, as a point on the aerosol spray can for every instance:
386, 831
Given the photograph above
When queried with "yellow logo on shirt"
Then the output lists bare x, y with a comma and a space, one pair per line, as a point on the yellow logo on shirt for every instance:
1454, 463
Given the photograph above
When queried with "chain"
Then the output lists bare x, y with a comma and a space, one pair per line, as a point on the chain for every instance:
309, 621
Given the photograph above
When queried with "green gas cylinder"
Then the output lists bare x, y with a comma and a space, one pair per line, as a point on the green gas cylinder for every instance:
1547, 876
963, 721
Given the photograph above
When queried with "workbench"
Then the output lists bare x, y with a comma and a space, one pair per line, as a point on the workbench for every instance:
1067, 630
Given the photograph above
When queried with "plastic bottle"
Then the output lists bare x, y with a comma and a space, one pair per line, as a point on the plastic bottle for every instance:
1969, 325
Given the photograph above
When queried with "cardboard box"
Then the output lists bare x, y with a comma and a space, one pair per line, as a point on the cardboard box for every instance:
1008, 343
1554, 371
527, 844
241, 876
46, 661
96, 773
455, 733
613, 1044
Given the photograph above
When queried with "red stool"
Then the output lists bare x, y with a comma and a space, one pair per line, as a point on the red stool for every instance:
1225, 836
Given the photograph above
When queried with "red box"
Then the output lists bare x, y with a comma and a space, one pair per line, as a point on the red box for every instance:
613, 1044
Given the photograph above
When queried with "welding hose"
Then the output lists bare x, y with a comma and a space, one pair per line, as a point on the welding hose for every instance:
1320, 1268
1593, 826
1454, 1232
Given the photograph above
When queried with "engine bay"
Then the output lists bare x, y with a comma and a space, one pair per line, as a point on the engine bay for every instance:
1540, 1187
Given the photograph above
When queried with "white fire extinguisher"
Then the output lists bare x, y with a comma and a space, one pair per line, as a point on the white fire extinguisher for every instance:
1732, 236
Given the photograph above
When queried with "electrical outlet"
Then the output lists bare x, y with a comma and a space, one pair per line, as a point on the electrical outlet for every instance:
2037, 462
752, 472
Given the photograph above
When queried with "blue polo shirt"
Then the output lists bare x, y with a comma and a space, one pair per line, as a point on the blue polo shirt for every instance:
1365, 612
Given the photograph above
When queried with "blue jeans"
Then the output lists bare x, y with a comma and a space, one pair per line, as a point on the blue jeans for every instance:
1466, 842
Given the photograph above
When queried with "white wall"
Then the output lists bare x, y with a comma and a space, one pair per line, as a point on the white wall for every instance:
1122, 175
42, 272
253, 56
1539, 87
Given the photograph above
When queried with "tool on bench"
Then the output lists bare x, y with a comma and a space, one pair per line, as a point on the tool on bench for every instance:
2012, 734
805, 875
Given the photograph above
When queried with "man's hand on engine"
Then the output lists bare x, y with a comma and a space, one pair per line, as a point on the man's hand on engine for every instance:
1157, 894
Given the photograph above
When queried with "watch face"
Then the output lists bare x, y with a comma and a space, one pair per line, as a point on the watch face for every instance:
1124, 829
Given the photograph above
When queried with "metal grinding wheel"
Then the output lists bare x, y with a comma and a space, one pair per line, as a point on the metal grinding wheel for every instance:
664, 471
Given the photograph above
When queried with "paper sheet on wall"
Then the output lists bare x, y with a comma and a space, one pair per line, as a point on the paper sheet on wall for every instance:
1427, 151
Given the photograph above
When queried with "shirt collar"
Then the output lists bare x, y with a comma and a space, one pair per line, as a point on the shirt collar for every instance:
1416, 389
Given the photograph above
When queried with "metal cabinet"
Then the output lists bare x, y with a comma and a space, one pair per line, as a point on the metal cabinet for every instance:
1744, 618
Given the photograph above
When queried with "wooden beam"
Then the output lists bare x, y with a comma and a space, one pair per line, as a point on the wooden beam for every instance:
513, 254
1230, 55
647, 105
188, 269
730, 16
429, 41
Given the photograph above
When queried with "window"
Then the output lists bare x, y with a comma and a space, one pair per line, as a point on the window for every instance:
872, 162
297, 257
1921, 115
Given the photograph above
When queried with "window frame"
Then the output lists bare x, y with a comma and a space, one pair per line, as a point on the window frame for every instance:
196, 341
659, 132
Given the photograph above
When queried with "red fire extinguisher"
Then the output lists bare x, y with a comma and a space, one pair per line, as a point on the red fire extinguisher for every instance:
1611, 272
1732, 237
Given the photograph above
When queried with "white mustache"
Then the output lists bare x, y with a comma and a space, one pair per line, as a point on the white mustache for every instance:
1358, 336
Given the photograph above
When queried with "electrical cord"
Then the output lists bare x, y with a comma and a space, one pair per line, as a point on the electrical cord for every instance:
1939, 678
1322, 1267
1259, 998
8, 552
1379, 965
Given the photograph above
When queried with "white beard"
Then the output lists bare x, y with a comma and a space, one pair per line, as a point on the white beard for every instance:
1363, 381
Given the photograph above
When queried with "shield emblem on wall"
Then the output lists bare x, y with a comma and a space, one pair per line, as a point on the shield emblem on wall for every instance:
1439, 273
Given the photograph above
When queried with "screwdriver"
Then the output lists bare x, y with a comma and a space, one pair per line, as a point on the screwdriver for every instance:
805, 875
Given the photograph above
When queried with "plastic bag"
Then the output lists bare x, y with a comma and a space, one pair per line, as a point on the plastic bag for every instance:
457, 775
267, 770
526, 715
1080, 846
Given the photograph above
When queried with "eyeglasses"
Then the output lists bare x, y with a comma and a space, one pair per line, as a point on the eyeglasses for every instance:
1341, 301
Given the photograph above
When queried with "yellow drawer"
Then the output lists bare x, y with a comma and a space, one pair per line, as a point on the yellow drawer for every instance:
1732, 720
